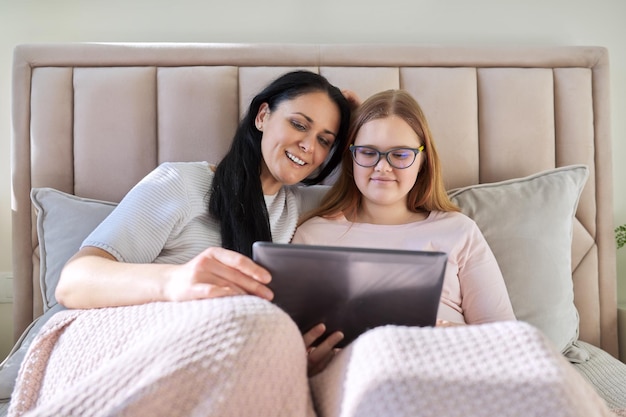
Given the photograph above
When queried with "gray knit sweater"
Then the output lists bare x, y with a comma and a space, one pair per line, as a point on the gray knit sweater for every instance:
164, 218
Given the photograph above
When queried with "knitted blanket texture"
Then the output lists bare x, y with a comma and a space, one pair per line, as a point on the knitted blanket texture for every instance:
243, 356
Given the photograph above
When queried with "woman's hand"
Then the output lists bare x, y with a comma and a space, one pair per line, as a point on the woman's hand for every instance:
320, 356
353, 99
217, 272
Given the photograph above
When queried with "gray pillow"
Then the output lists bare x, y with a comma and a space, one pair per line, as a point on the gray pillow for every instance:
528, 223
63, 222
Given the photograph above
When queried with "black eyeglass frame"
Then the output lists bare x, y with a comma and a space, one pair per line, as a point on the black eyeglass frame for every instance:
353, 148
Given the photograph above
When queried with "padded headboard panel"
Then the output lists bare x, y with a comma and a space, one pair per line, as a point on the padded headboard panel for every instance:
92, 119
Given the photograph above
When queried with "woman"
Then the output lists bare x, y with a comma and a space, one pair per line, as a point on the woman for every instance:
390, 194
163, 227
184, 233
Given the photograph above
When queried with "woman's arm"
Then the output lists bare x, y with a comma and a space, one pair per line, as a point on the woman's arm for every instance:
93, 278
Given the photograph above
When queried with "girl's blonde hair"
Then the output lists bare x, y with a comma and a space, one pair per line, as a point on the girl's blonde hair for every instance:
427, 194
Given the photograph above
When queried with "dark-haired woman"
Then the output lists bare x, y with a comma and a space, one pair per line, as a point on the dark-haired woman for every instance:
150, 329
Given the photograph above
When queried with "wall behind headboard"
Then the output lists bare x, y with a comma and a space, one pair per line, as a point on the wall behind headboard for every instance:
477, 22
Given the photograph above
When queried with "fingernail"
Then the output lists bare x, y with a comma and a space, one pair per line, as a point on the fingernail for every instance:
267, 293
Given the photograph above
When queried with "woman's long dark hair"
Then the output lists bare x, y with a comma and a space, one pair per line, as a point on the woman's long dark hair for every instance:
237, 201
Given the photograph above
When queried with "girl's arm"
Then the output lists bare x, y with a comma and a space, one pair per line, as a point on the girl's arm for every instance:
485, 296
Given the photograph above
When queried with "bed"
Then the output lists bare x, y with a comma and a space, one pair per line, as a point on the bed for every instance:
90, 120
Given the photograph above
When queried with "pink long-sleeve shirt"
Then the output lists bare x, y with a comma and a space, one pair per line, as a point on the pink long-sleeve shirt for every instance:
473, 291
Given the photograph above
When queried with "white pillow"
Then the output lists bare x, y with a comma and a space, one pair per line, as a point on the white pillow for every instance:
528, 223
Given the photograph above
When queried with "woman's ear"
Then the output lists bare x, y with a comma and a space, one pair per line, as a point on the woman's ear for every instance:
264, 110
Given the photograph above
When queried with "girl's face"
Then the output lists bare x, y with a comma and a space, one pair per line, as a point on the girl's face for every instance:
297, 137
383, 185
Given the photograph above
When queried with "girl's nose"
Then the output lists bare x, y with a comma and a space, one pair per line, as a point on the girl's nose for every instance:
382, 165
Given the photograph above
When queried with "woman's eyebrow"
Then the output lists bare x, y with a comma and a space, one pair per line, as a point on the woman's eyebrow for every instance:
311, 121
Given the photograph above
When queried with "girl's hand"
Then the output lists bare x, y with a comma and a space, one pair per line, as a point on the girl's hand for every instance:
446, 323
320, 356
217, 272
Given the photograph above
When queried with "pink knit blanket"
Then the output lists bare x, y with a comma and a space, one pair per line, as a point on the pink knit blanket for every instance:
242, 356
230, 357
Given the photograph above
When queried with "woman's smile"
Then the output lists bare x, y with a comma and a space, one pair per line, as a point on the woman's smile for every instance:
295, 159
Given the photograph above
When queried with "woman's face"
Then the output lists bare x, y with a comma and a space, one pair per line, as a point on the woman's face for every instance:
382, 184
297, 137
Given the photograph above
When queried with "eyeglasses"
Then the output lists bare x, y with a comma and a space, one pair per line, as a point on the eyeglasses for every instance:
399, 158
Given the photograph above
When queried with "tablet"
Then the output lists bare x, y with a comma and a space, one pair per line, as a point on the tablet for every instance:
353, 289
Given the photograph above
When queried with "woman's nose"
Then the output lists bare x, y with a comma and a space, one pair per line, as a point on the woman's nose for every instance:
307, 145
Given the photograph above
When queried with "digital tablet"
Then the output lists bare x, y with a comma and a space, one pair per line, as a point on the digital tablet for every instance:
353, 289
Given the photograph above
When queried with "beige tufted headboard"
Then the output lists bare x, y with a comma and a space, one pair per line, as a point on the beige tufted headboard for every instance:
93, 119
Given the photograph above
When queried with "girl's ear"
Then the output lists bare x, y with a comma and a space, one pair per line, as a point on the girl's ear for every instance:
264, 110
